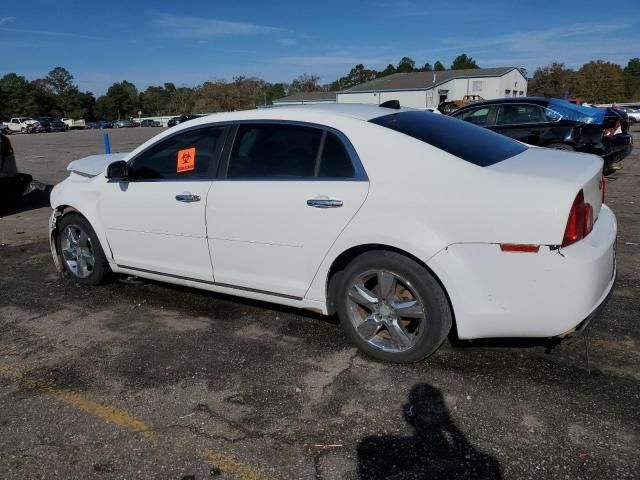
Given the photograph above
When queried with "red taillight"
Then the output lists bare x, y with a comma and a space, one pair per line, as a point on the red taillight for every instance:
610, 132
580, 222
517, 247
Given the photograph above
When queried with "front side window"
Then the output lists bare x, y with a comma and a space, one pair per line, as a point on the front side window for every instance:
288, 151
186, 156
516, 114
477, 116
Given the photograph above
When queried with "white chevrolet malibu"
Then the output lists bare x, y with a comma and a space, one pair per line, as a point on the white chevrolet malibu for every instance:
404, 223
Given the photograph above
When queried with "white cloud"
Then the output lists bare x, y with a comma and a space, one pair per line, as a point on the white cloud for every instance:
6, 20
328, 60
195, 27
288, 42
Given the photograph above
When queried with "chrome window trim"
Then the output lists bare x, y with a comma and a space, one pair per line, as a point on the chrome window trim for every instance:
359, 176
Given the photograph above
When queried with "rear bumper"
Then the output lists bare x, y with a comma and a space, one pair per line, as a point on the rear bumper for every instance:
621, 147
545, 294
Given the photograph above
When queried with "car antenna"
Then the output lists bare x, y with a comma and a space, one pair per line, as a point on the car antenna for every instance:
395, 104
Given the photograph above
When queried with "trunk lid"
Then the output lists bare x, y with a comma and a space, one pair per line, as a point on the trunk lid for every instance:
564, 175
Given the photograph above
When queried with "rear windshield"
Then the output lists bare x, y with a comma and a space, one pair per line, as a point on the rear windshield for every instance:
474, 144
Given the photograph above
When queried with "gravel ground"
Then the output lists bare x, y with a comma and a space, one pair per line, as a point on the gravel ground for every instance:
152, 381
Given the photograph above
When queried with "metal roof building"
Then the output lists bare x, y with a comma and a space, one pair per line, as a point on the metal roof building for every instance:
429, 89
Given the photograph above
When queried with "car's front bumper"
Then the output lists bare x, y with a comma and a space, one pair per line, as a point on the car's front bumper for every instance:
543, 294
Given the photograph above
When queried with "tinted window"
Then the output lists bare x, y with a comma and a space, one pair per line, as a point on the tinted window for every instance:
477, 116
335, 161
185, 156
273, 150
514, 114
474, 144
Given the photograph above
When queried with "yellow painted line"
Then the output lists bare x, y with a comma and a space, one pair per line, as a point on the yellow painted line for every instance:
116, 416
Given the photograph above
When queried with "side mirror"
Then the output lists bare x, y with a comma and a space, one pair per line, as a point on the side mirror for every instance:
118, 171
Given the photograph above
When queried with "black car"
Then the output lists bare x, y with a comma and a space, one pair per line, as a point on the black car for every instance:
181, 119
149, 123
554, 123
51, 124
11, 181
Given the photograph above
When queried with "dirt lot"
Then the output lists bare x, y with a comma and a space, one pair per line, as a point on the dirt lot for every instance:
143, 380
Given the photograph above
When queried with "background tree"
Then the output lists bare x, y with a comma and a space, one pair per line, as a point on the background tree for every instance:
463, 62
438, 66
552, 81
632, 79
304, 83
427, 67
389, 70
406, 65
600, 82
155, 101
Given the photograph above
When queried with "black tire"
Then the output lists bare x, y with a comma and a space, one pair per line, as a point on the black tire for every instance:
100, 272
561, 146
435, 327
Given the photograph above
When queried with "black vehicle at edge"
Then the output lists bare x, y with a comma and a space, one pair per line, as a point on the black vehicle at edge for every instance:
51, 124
181, 119
536, 121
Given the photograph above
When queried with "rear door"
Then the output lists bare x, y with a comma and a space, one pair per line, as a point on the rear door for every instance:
523, 121
156, 220
286, 192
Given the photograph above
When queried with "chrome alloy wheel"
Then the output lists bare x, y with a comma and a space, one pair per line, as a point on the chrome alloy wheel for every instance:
386, 310
77, 251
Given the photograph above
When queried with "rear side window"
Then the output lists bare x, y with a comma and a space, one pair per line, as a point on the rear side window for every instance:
288, 151
185, 156
515, 114
477, 116
469, 142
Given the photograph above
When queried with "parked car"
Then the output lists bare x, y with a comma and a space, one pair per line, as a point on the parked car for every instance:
123, 124
25, 125
102, 124
486, 235
553, 123
181, 119
51, 124
4, 129
74, 124
149, 123
11, 181
633, 114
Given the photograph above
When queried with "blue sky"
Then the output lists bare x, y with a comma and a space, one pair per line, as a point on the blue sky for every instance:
189, 42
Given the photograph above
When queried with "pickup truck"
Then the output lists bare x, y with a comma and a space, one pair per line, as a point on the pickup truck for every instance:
74, 124
24, 125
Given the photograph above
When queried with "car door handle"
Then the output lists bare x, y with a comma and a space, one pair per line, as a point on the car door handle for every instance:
187, 198
324, 202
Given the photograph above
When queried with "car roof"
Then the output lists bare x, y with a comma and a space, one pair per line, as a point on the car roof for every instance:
497, 101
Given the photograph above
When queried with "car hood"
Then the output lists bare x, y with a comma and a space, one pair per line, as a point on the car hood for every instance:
94, 164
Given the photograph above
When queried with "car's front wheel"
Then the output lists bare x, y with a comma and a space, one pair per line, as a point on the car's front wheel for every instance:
81, 252
392, 307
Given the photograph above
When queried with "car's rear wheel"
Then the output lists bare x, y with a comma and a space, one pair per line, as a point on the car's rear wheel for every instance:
81, 252
392, 307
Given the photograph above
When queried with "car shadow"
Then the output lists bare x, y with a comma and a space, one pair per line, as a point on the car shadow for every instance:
16, 202
437, 449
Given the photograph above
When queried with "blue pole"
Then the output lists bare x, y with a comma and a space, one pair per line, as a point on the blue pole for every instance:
107, 144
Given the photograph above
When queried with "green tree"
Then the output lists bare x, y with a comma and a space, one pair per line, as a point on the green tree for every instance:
552, 81
600, 82
304, 83
275, 91
632, 80
389, 70
406, 65
155, 101
120, 101
427, 67
61, 83
438, 66
463, 62
15, 96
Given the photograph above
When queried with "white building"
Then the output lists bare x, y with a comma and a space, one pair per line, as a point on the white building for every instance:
429, 89
306, 98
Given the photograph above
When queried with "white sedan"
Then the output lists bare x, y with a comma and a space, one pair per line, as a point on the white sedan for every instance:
404, 223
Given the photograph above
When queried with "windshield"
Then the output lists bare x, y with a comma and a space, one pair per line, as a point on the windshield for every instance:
576, 113
469, 142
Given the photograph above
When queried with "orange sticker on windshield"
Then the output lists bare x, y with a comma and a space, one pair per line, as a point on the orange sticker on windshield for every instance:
186, 160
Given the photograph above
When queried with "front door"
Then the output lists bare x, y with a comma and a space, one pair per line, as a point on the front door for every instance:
156, 220
288, 192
